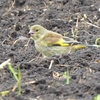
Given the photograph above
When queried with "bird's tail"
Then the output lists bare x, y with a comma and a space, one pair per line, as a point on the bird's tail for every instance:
78, 47
83, 46
96, 46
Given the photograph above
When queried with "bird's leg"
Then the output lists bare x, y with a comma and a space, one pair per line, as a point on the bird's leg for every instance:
70, 48
35, 59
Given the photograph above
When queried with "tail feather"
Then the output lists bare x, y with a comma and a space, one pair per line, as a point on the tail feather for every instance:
97, 46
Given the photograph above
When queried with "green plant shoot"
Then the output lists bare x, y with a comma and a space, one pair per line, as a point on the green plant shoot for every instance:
96, 41
67, 75
18, 78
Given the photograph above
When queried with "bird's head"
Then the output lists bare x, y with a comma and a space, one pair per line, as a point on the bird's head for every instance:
36, 31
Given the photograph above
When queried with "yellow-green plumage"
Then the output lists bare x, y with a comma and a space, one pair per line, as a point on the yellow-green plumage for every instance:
51, 43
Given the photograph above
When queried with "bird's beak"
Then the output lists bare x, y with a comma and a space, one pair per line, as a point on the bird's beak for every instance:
30, 34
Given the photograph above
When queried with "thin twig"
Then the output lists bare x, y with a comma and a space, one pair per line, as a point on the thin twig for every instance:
5, 63
31, 82
50, 66
93, 25
1, 98
35, 59
15, 87
9, 8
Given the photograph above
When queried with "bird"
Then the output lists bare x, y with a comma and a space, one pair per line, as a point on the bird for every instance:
51, 43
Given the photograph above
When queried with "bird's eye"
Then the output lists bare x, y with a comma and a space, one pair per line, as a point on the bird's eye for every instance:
36, 30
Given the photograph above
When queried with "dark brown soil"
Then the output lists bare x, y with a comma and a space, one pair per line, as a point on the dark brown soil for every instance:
16, 16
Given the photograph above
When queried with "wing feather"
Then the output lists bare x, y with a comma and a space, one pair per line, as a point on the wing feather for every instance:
55, 39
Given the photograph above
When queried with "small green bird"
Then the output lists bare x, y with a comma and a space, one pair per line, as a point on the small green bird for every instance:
50, 43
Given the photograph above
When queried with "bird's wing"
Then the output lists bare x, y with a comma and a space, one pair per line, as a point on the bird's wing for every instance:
55, 39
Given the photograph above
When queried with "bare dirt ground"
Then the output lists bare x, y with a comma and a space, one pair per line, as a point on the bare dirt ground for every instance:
64, 16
